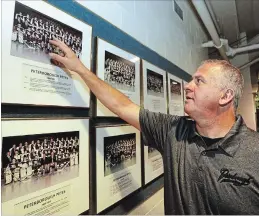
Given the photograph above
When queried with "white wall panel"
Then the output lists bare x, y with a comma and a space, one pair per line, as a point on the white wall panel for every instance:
109, 10
156, 25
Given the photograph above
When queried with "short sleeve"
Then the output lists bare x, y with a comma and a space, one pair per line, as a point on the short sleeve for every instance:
155, 127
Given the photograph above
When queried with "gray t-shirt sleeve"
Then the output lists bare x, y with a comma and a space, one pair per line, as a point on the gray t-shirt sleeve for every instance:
155, 127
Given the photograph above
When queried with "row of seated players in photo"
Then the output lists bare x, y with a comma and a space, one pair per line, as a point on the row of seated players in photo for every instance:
18, 171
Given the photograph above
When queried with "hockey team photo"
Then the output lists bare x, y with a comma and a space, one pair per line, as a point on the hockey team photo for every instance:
119, 153
32, 31
119, 72
34, 162
155, 85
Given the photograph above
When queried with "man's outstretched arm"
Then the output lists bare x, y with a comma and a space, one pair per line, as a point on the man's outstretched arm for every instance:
110, 97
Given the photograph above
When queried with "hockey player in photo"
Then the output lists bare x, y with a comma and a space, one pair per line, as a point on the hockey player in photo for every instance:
32, 145
7, 160
36, 165
59, 161
53, 162
8, 177
23, 168
12, 150
44, 164
76, 156
72, 159
17, 156
29, 168
15, 170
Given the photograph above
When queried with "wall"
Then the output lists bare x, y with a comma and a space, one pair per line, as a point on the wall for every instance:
156, 25
246, 105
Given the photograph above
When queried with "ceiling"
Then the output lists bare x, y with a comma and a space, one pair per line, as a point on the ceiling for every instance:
233, 17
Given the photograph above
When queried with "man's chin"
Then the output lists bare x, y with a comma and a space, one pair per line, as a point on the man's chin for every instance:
187, 110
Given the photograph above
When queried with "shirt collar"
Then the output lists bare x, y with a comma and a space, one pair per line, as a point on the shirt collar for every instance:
228, 144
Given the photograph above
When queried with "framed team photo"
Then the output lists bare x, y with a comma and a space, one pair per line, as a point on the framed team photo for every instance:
118, 164
120, 69
154, 88
45, 166
154, 99
28, 27
175, 92
37, 156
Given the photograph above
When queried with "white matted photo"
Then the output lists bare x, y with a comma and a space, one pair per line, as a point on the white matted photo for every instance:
154, 88
155, 100
120, 69
118, 164
34, 78
175, 90
45, 166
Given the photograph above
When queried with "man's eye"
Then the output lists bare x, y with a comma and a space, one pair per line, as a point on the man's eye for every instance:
198, 81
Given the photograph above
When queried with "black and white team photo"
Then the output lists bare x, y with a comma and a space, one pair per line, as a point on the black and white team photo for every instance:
119, 72
32, 31
155, 85
175, 88
33, 162
119, 153
152, 152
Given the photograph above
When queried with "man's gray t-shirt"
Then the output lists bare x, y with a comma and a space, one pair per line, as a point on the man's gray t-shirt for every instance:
219, 179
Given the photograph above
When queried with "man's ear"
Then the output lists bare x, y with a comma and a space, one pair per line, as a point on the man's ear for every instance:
226, 97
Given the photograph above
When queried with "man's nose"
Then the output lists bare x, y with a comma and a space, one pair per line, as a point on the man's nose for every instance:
188, 86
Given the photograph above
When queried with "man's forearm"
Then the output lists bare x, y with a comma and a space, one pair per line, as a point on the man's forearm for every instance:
110, 97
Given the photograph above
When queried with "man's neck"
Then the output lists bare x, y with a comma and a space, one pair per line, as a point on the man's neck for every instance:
215, 126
